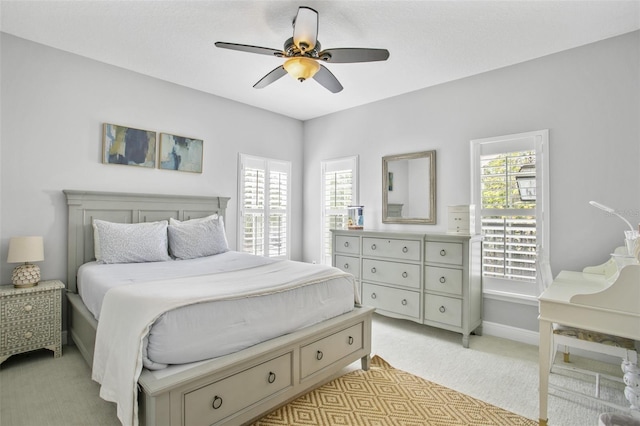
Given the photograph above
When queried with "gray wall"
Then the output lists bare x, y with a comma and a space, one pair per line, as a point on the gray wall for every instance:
587, 97
53, 106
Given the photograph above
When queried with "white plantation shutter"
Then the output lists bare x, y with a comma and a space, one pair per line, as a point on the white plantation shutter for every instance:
510, 191
339, 190
264, 206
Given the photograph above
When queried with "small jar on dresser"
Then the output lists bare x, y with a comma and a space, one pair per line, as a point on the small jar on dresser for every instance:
31, 318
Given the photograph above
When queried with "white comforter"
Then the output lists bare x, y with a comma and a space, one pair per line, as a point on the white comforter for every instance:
129, 311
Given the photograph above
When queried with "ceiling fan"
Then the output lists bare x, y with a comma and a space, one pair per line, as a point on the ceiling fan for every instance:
303, 54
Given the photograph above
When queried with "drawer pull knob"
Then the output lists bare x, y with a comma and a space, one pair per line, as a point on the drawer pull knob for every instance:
405, 275
319, 355
346, 266
350, 340
217, 402
373, 246
443, 252
28, 308
442, 309
373, 295
405, 249
28, 335
404, 302
346, 243
443, 280
373, 270
272, 377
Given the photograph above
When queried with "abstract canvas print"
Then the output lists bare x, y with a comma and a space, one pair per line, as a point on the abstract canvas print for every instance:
180, 153
126, 145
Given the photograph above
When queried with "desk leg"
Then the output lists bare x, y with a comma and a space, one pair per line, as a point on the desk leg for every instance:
544, 361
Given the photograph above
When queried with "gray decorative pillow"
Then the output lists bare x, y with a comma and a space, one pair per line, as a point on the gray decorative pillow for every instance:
130, 242
197, 237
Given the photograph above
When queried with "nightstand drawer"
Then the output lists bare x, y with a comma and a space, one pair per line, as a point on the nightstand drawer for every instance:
28, 336
22, 308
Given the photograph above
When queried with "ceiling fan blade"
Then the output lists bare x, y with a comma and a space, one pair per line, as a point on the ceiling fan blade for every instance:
274, 75
328, 80
305, 29
250, 49
353, 54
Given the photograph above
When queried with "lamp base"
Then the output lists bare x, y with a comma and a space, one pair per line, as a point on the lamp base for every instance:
27, 275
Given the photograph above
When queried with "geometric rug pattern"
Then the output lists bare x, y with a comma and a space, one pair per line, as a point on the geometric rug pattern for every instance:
386, 396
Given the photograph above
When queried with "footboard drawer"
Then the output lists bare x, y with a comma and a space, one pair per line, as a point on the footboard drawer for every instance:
317, 355
213, 403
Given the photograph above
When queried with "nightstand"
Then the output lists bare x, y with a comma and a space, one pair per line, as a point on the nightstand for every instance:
31, 318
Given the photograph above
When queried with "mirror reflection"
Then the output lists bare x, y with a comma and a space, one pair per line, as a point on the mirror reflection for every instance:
409, 188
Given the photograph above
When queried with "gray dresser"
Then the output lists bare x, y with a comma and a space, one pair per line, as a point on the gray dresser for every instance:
432, 279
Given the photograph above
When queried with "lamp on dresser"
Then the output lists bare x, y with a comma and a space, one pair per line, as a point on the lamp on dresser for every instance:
25, 250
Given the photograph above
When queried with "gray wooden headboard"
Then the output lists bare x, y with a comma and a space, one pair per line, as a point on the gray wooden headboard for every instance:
84, 206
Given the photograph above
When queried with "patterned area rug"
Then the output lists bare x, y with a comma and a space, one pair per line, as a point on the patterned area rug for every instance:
386, 396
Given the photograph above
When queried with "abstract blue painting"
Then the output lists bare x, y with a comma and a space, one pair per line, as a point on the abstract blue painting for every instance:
180, 153
126, 145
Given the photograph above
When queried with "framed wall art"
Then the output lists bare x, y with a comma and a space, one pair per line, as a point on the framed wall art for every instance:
129, 146
180, 153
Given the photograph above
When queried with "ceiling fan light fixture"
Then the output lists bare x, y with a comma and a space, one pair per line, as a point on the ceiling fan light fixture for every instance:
301, 68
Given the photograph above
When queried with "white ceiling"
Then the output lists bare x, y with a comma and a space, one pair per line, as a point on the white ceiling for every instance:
430, 42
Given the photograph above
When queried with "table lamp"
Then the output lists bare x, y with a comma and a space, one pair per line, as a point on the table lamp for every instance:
25, 250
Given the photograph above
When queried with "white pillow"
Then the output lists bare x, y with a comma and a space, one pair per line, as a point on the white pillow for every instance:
197, 237
130, 242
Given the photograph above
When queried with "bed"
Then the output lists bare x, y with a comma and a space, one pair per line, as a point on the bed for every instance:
237, 386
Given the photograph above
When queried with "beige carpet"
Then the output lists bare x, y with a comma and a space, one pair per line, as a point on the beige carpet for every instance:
388, 396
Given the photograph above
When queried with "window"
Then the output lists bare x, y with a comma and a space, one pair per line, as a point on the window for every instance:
339, 190
510, 191
264, 206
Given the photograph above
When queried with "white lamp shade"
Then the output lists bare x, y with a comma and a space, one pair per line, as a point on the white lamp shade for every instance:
25, 249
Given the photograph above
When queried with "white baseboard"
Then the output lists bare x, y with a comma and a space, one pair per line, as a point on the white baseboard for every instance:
512, 333
532, 338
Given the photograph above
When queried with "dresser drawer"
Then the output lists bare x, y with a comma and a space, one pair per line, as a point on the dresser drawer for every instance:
22, 307
348, 264
396, 249
445, 310
347, 244
403, 302
214, 402
27, 336
318, 355
437, 252
446, 280
403, 274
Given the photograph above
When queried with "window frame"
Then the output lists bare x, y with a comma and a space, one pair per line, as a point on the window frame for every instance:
334, 165
537, 141
267, 165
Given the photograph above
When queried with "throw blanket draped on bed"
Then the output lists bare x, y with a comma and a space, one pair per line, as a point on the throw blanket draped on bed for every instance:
129, 312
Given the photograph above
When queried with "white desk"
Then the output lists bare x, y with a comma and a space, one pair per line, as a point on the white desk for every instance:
591, 302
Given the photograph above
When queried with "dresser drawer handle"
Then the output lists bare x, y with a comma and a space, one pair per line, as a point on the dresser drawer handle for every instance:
373, 270
405, 249
404, 302
442, 309
443, 252
405, 275
443, 280
350, 340
28, 308
346, 243
28, 335
346, 266
373, 295
217, 402
373, 246
272, 377
319, 355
